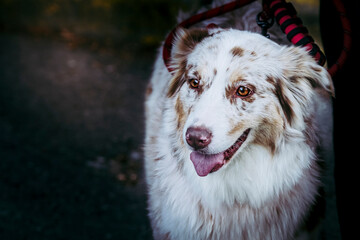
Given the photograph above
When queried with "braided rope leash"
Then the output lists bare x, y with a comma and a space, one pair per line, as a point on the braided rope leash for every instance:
290, 24
347, 39
196, 19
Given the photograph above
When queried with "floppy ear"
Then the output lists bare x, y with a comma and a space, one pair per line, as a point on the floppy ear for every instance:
302, 78
184, 43
303, 66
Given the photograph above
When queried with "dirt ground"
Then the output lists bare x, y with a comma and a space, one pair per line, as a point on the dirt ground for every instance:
71, 129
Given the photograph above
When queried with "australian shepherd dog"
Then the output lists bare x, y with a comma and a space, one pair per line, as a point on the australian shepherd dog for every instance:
232, 137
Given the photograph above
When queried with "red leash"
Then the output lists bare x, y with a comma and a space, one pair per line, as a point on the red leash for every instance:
291, 25
196, 19
347, 40
285, 16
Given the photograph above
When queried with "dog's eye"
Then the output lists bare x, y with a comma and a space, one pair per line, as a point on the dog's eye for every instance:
194, 83
243, 91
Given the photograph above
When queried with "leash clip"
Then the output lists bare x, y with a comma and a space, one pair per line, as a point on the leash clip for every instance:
264, 23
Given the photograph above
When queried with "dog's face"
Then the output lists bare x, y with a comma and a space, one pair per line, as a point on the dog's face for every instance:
233, 89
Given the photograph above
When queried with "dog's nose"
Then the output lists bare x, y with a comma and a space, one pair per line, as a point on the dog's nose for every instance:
198, 137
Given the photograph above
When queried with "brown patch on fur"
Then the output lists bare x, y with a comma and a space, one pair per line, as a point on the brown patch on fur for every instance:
271, 80
243, 106
236, 77
176, 83
191, 38
237, 52
294, 79
253, 54
215, 71
180, 114
202, 88
189, 110
284, 100
316, 69
311, 138
266, 136
149, 90
184, 46
201, 209
157, 159
236, 128
230, 94
314, 83
188, 67
270, 128
249, 99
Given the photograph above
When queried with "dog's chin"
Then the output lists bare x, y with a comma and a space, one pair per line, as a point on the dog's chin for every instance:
209, 163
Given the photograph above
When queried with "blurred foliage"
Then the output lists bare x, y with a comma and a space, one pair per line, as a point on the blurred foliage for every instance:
95, 22
100, 23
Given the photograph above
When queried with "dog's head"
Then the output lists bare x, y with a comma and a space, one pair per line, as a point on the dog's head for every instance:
233, 88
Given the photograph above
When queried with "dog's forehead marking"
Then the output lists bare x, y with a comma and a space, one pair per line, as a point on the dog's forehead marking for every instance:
237, 51
236, 61
181, 115
285, 102
226, 50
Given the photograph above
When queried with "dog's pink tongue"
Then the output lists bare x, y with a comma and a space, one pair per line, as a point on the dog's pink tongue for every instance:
204, 164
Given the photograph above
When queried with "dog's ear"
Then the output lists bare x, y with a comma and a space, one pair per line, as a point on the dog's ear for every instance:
300, 65
184, 43
301, 78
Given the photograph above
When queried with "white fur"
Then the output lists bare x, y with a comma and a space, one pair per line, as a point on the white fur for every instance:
258, 194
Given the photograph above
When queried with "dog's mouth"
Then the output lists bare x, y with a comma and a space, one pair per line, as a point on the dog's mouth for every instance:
208, 163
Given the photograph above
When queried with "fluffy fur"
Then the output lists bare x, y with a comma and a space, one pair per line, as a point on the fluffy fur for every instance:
266, 189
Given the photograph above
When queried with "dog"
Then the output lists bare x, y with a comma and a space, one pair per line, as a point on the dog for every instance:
233, 136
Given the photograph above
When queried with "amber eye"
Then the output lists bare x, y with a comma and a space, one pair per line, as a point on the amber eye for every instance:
194, 83
243, 91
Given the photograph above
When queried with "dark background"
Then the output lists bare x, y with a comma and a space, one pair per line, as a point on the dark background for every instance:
73, 75
346, 106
